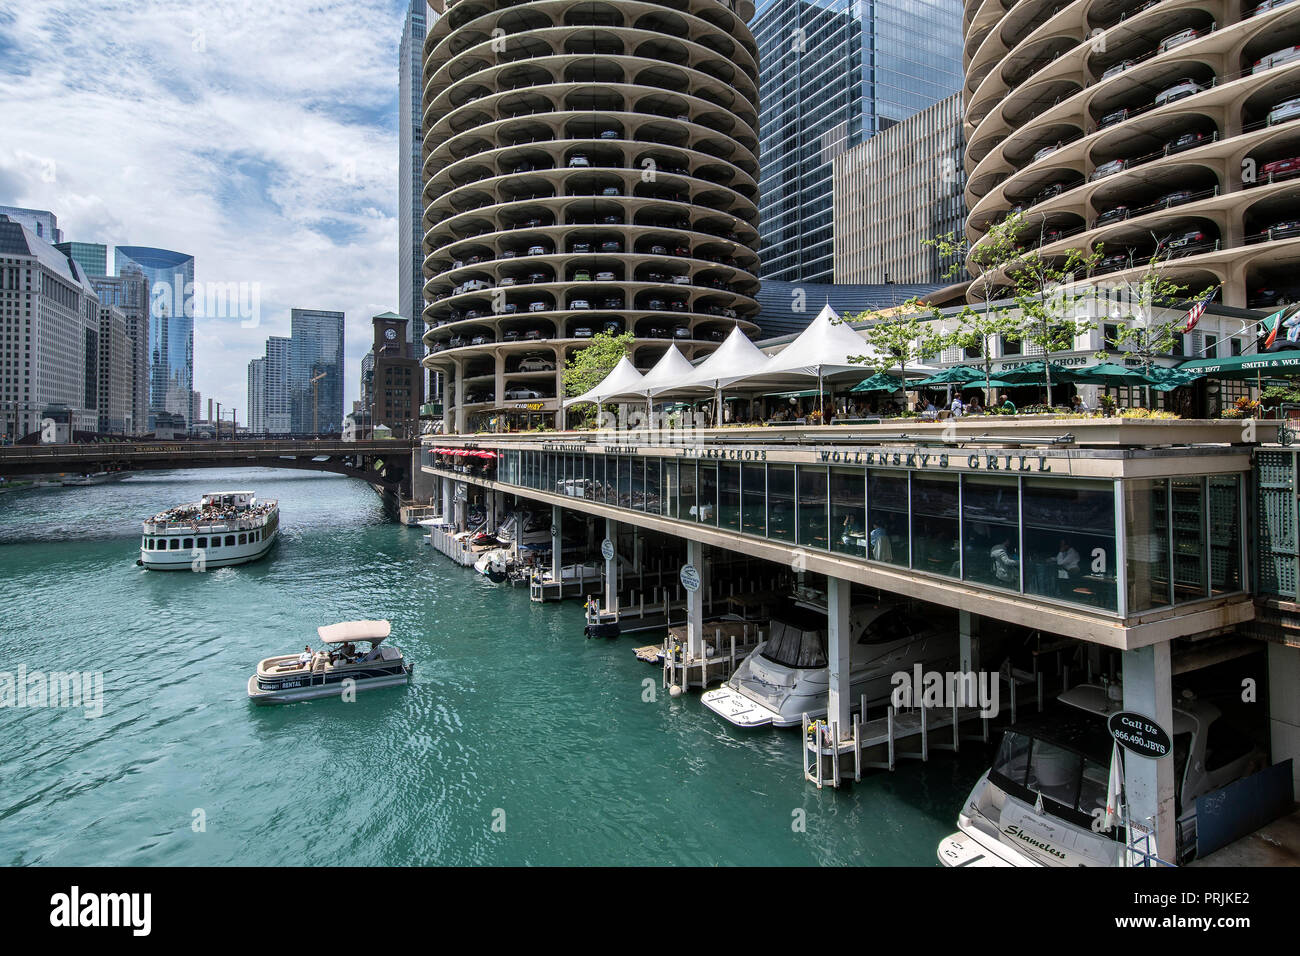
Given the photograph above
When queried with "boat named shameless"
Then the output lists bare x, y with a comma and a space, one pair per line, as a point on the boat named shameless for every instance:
336, 668
224, 528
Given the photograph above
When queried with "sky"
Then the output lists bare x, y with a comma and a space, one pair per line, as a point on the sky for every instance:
259, 136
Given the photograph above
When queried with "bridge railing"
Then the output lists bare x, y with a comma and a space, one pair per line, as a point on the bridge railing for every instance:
209, 448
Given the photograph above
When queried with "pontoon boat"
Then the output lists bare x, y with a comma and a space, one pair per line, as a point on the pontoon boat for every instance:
334, 670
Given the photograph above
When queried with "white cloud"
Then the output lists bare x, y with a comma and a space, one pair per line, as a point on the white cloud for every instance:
259, 136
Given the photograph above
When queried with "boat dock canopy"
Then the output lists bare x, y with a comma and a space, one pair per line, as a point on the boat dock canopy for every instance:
374, 631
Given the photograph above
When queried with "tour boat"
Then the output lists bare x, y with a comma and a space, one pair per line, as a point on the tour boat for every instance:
1044, 800
335, 670
224, 528
787, 675
93, 478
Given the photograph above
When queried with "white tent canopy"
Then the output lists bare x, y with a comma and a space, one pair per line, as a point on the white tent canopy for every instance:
672, 366
734, 359
624, 379
823, 348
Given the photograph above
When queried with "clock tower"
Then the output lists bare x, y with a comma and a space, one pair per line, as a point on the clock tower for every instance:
398, 384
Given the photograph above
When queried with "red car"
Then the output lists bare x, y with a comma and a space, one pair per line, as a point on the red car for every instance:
1279, 168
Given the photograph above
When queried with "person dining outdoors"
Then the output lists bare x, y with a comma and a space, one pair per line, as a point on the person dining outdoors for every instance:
1008, 406
974, 406
958, 407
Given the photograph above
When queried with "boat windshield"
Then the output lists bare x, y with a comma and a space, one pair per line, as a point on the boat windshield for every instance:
795, 645
1070, 783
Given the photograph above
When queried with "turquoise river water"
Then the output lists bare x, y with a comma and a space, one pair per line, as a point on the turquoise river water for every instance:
518, 742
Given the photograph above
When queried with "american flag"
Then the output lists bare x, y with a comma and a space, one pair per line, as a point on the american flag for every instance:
1198, 310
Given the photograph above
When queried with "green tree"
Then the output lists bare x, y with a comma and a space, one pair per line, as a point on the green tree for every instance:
590, 365
898, 337
980, 325
1049, 298
1135, 302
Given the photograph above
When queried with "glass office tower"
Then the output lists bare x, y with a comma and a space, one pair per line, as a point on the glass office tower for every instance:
171, 326
833, 73
316, 353
410, 265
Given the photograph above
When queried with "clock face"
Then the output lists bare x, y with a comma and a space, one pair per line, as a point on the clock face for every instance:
390, 334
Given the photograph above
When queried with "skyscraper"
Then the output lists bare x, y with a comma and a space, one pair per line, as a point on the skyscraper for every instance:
115, 378
171, 326
129, 293
831, 75
40, 221
316, 371
91, 256
410, 291
49, 337
257, 396
277, 406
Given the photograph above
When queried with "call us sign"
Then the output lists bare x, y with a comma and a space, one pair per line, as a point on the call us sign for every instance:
1139, 735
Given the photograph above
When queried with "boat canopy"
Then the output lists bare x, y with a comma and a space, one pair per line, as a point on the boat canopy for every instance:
372, 631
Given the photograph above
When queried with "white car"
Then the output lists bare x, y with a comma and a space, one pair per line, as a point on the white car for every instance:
1287, 109
1183, 88
1276, 59
536, 363
1106, 169
604, 277
1177, 39
1117, 69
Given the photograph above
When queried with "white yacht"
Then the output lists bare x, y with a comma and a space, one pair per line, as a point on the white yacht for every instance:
1039, 803
787, 676
339, 667
224, 528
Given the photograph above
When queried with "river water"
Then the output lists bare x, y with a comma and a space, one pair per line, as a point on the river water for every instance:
518, 742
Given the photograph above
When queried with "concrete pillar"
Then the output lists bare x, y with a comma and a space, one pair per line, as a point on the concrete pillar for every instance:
1284, 706
839, 642
460, 399
968, 636
557, 539
611, 567
1150, 782
423, 484
695, 602
498, 507
448, 506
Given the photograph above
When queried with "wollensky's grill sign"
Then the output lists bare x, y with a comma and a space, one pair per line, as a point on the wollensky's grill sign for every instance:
1139, 735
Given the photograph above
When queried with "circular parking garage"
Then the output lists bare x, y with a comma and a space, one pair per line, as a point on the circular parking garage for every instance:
588, 167
1137, 127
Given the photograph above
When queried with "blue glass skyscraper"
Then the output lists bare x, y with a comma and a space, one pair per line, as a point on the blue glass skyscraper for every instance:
316, 352
171, 326
832, 74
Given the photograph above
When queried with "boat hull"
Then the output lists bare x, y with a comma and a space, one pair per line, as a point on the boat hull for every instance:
287, 695
182, 560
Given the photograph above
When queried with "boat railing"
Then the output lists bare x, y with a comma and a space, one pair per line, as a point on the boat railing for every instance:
234, 524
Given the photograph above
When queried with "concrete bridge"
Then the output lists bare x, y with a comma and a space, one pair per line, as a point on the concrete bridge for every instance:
383, 463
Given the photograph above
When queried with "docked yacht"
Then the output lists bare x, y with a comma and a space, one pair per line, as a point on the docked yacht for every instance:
525, 527
335, 669
224, 528
1040, 802
787, 675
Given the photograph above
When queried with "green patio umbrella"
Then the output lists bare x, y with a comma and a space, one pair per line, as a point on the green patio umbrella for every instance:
1031, 373
880, 382
1168, 379
1114, 375
956, 375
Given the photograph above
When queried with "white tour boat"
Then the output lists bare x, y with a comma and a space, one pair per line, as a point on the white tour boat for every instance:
224, 528
334, 670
